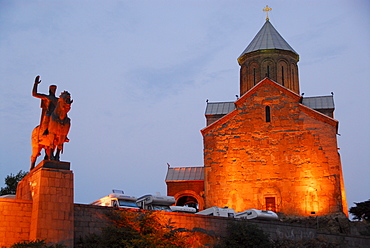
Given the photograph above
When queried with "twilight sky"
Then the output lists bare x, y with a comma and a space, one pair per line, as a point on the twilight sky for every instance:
140, 72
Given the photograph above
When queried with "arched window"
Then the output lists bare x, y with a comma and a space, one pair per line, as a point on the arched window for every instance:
268, 68
254, 76
268, 114
282, 75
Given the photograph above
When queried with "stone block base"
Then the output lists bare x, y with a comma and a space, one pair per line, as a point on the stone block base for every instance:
50, 188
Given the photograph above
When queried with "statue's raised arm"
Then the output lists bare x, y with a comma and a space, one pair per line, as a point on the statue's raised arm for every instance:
48, 104
34, 89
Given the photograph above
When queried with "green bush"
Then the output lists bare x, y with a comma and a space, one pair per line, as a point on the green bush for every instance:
240, 234
36, 244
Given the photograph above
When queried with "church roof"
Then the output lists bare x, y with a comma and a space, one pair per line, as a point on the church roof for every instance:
185, 173
316, 103
219, 108
319, 102
268, 38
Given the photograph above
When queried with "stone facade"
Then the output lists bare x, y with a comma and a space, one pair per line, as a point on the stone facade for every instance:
283, 159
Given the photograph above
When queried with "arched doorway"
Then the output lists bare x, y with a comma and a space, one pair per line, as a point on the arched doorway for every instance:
189, 198
188, 201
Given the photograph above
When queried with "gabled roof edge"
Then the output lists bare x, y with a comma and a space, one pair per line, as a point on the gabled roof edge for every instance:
221, 120
320, 116
259, 85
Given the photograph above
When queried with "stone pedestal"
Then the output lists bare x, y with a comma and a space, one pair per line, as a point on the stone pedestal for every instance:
50, 187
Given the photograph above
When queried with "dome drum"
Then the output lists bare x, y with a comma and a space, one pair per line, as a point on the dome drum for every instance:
278, 65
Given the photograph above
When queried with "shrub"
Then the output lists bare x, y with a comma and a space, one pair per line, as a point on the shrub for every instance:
243, 234
137, 229
36, 244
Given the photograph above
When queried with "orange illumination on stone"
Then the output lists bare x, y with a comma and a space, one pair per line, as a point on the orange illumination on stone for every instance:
289, 164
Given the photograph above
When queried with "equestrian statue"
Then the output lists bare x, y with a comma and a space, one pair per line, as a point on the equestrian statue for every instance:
54, 126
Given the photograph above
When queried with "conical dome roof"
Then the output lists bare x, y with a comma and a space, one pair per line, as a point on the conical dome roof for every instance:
268, 38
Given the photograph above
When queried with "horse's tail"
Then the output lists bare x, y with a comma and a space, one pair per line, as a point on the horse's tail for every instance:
35, 145
35, 136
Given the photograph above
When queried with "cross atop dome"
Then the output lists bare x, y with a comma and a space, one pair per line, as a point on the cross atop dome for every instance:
267, 9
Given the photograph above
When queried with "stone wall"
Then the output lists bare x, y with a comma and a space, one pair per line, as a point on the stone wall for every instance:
90, 219
15, 221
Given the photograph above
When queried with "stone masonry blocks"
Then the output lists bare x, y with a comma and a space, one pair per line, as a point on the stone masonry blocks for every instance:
293, 158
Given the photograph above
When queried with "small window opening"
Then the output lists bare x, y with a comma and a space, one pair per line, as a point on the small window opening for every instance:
268, 71
254, 76
282, 75
268, 115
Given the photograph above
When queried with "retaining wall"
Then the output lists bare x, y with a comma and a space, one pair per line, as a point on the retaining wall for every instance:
90, 219
15, 221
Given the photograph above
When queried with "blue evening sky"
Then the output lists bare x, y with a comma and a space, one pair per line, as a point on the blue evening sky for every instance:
140, 72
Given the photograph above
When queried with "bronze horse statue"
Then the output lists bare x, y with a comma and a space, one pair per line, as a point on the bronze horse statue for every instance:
58, 127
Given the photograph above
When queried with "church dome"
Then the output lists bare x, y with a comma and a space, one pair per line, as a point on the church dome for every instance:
267, 38
268, 55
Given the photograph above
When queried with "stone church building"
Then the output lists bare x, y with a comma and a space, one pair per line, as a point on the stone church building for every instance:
271, 149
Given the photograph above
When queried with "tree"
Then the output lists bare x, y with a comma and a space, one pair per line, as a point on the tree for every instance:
11, 182
361, 211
